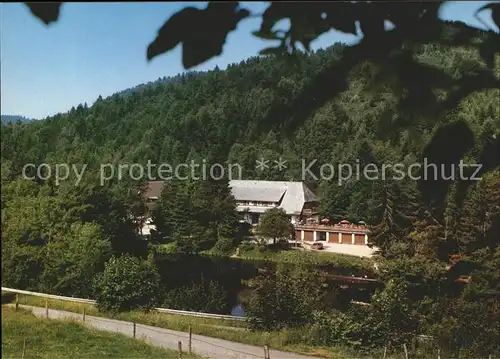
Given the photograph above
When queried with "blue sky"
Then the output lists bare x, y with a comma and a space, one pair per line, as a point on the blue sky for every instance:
100, 48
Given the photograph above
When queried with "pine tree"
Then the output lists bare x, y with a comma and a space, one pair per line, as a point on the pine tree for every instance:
169, 213
479, 216
160, 211
399, 208
428, 236
224, 215
469, 228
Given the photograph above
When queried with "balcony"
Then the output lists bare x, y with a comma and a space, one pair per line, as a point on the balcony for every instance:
256, 204
343, 228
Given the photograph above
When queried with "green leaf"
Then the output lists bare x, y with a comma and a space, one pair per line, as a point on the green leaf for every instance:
274, 13
46, 11
341, 16
209, 40
372, 25
172, 32
202, 32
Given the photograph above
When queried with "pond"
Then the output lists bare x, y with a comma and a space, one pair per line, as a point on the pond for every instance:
238, 311
189, 273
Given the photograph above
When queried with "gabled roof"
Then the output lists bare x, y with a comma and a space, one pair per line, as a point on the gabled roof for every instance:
256, 191
309, 196
291, 196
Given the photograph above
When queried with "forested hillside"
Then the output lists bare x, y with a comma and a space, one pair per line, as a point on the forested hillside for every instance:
14, 118
243, 114
240, 115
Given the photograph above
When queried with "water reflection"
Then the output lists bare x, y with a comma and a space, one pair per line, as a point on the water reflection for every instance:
238, 311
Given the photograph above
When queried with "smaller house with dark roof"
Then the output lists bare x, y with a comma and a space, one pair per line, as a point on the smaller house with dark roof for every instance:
153, 193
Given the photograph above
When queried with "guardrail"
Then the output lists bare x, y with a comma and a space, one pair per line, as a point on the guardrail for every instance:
93, 302
199, 314
50, 296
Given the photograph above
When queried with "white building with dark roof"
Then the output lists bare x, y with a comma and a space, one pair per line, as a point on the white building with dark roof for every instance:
253, 198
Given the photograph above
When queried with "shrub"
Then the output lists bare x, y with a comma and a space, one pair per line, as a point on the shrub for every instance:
223, 246
208, 297
327, 328
164, 248
285, 301
246, 247
390, 320
127, 283
282, 244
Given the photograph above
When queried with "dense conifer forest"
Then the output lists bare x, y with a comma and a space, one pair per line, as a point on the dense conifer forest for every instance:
439, 239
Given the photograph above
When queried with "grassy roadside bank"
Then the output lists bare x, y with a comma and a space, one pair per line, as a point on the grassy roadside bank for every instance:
54, 339
223, 329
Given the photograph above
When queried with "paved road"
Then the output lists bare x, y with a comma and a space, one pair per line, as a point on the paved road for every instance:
201, 345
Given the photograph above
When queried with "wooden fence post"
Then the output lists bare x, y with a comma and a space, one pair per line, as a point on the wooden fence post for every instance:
17, 301
190, 340
83, 313
406, 351
46, 307
134, 328
179, 344
24, 348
